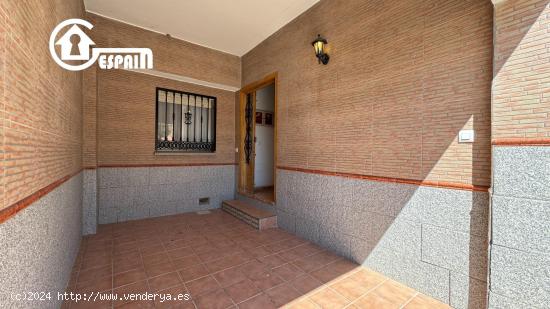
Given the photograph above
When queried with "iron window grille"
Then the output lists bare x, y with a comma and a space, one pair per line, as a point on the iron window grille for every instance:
185, 122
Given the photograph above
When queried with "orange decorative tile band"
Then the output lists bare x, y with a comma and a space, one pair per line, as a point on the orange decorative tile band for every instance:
427, 183
522, 142
12, 210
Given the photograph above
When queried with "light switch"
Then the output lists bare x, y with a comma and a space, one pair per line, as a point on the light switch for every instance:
466, 136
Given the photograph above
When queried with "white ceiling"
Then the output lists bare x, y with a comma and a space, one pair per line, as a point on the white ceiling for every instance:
232, 26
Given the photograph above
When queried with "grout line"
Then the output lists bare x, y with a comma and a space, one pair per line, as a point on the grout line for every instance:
370, 290
410, 299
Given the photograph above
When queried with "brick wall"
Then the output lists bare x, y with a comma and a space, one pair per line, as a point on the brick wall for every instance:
89, 121
119, 128
126, 120
404, 77
521, 100
40, 103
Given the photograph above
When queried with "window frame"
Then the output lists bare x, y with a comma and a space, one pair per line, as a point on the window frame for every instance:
211, 125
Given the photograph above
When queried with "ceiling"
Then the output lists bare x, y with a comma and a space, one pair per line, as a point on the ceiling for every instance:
231, 26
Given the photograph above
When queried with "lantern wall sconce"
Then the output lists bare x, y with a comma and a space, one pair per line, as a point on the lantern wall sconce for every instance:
319, 45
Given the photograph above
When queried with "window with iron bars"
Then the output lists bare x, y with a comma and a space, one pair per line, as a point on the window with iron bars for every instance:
185, 122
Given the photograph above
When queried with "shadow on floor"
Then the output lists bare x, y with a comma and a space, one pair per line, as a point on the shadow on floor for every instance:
220, 262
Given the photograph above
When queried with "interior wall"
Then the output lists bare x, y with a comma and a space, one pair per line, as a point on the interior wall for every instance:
121, 149
520, 246
41, 153
369, 163
263, 164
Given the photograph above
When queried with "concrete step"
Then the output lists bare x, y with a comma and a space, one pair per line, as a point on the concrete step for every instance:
258, 218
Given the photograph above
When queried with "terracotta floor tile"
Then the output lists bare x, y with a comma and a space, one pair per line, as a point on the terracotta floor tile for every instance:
282, 294
176, 243
261, 301
193, 272
258, 252
96, 262
242, 291
124, 267
333, 271
139, 287
267, 280
202, 247
254, 269
129, 277
421, 301
272, 260
201, 286
164, 281
151, 249
302, 303
309, 264
349, 288
229, 276
329, 299
180, 298
159, 269
371, 301
288, 272
214, 300
98, 285
94, 274
306, 283
180, 253
185, 262
240, 267
210, 255
367, 278
154, 259
394, 292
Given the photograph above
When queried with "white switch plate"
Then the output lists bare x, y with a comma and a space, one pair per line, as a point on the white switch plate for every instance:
466, 136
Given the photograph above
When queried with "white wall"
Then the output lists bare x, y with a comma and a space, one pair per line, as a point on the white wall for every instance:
263, 171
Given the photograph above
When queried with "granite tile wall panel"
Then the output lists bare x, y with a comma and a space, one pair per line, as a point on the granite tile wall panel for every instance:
457, 251
136, 193
89, 202
421, 236
502, 302
39, 246
522, 172
521, 275
522, 224
520, 250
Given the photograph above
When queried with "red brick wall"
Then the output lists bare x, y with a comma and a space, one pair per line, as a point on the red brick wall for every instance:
521, 96
126, 120
404, 77
40, 103
119, 128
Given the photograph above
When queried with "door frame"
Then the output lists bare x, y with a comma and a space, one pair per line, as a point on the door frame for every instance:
246, 171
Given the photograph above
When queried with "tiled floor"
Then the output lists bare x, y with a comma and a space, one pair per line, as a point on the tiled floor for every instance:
265, 194
223, 263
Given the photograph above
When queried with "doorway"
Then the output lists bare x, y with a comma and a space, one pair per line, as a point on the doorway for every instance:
258, 139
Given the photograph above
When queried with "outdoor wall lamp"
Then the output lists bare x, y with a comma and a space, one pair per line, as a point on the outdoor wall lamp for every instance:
319, 45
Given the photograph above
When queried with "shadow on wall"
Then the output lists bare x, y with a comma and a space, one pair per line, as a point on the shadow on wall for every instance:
431, 239
507, 44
